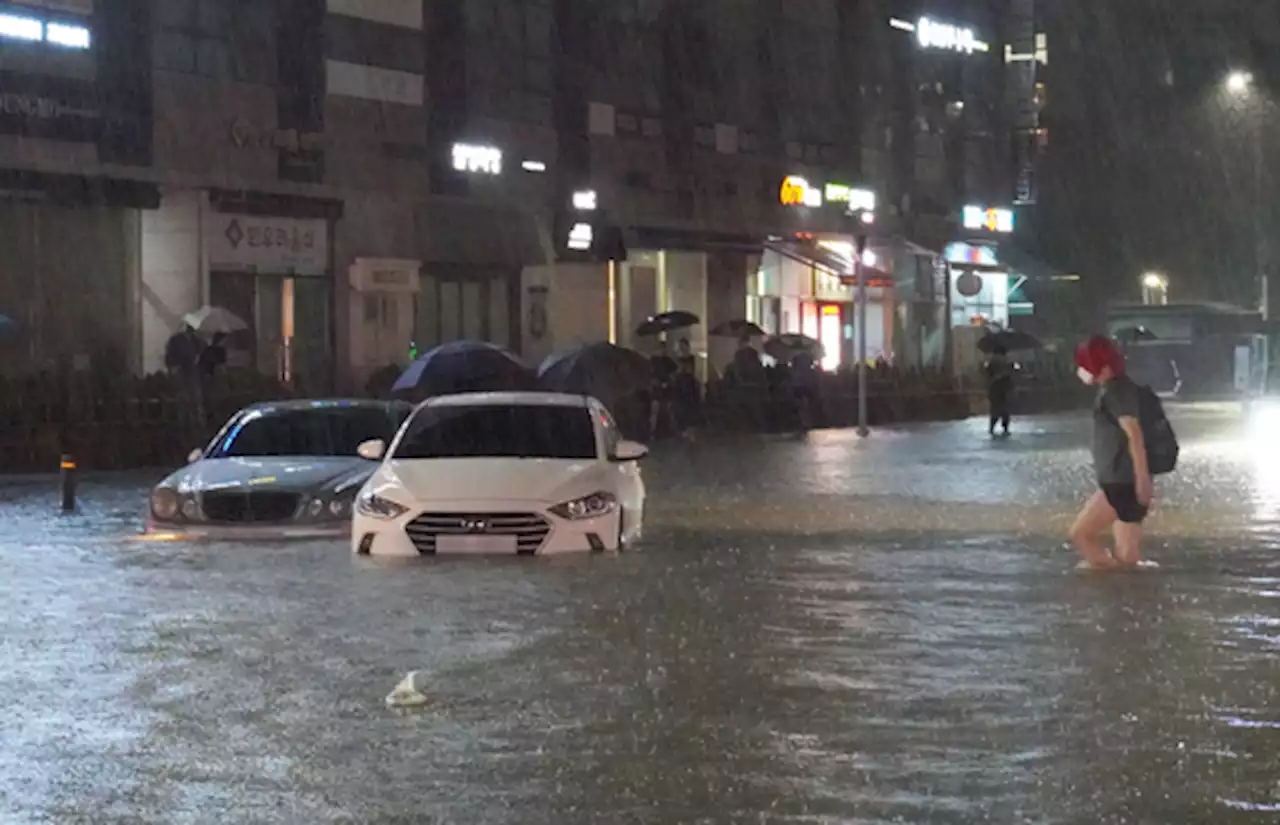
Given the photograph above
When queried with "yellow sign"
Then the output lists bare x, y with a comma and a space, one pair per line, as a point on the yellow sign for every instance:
796, 191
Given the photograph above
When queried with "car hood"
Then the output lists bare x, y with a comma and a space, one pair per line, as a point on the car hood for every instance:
498, 479
298, 474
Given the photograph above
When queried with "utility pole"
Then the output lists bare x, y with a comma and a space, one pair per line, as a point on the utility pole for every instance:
860, 246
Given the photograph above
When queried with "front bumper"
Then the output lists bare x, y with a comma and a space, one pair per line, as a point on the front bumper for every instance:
374, 537
162, 531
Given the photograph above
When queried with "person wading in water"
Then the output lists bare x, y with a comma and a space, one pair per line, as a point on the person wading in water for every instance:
1125, 487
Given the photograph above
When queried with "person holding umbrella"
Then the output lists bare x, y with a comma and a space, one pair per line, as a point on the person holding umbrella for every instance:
999, 373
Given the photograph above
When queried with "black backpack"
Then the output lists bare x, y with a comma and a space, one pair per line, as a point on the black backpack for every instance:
1157, 433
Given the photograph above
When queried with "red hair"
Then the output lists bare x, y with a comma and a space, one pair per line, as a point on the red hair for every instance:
1098, 353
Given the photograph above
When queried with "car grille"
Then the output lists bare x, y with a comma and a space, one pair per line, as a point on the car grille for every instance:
249, 508
530, 529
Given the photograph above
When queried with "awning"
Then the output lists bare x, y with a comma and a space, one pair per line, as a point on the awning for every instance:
811, 254
643, 237
253, 202
79, 190
457, 231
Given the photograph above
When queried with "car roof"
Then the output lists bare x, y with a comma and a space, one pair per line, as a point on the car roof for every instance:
299, 404
507, 399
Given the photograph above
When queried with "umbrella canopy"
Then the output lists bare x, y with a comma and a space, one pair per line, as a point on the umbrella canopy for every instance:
601, 370
788, 345
1129, 335
1008, 340
211, 320
9, 328
673, 321
738, 328
465, 366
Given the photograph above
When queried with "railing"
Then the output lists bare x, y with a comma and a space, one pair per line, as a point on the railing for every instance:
123, 422
117, 422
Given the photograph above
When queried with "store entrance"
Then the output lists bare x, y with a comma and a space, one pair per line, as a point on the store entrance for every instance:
288, 317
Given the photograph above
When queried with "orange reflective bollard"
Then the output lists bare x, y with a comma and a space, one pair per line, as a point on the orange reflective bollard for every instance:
68, 470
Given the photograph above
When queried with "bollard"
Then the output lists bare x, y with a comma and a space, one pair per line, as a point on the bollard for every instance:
68, 468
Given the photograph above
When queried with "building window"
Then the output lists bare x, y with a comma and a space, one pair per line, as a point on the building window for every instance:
220, 39
512, 47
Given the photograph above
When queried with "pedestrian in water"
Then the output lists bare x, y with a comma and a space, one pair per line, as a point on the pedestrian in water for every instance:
1125, 487
999, 373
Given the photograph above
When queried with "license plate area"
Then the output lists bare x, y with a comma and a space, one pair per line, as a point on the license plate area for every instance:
476, 545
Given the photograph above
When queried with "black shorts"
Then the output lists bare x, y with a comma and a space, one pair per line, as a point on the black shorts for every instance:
1123, 498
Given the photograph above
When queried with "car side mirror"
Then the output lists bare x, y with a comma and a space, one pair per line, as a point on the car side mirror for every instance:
629, 451
373, 450
195, 455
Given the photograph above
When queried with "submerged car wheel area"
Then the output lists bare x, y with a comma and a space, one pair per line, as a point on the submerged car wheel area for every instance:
281, 470
505, 474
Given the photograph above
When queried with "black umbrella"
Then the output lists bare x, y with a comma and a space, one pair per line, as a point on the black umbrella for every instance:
1008, 340
9, 328
790, 344
465, 366
1130, 335
601, 370
673, 321
738, 328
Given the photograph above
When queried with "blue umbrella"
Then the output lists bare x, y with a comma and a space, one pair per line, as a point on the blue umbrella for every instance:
465, 366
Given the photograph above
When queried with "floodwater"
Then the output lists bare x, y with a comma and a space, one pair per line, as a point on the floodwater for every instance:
816, 631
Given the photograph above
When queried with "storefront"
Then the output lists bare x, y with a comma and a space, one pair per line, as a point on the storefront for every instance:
803, 286
472, 257
383, 315
980, 286
274, 273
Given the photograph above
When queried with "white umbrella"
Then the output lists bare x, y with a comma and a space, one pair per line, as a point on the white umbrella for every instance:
212, 320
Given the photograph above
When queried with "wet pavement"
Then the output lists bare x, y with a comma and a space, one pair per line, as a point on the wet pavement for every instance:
817, 631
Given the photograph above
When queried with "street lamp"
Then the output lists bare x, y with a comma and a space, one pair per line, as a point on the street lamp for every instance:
1239, 85
1154, 283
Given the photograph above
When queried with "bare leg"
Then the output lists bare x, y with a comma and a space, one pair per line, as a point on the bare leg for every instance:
1128, 544
1096, 516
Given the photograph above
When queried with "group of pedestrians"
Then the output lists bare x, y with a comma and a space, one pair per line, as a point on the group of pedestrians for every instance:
187, 353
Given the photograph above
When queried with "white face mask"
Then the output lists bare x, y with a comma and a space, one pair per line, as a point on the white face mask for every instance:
1085, 376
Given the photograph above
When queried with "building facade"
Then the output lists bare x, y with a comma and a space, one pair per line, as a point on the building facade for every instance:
359, 179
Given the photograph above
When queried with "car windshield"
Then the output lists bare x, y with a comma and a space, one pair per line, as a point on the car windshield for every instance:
319, 431
500, 431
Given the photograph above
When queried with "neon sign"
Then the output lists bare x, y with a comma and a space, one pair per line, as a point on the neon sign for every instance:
992, 220
857, 199
796, 191
931, 34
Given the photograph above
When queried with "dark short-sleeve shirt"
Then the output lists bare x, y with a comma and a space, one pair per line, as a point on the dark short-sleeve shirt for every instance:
1111, 460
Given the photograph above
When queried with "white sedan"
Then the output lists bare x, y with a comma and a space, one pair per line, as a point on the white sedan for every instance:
502, 473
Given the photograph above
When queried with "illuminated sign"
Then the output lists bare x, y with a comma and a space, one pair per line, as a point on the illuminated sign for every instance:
991, 220
857, 199
581, 237
974, 255
468, 157
796, 191
931, 34
585, 200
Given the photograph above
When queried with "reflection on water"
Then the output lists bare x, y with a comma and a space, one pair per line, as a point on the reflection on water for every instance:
817, 631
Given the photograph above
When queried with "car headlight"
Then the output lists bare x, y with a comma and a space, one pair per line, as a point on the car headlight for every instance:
375, 506
165, 504
587, 507
191, 509
315, 507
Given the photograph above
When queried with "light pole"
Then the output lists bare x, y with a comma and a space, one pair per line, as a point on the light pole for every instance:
1240, 86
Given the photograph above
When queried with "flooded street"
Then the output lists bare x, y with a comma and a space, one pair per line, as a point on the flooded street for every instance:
817, 631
